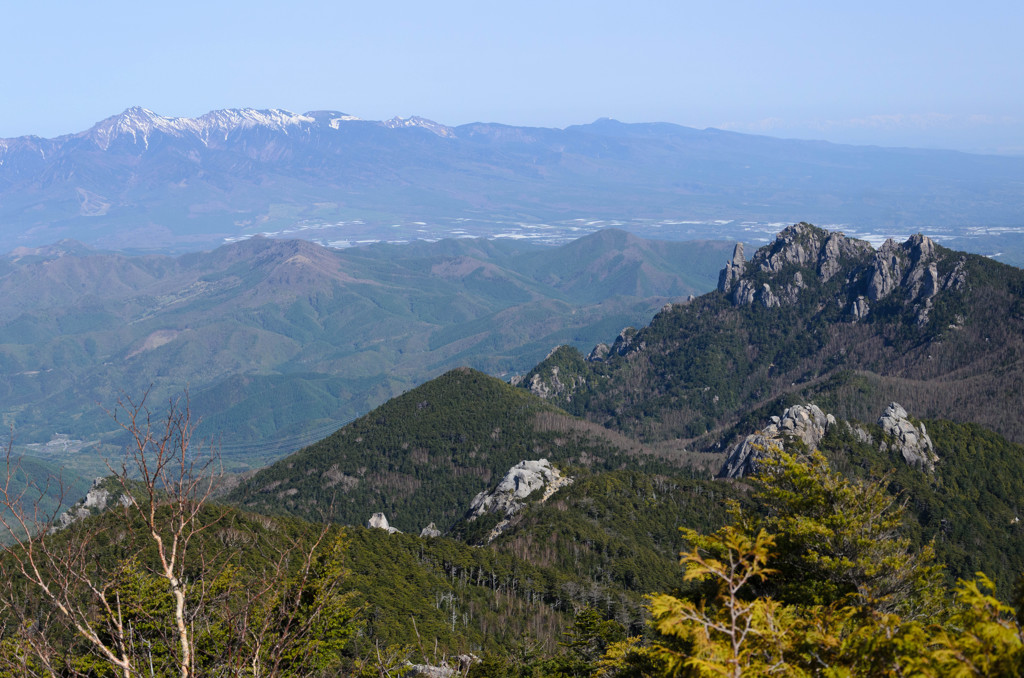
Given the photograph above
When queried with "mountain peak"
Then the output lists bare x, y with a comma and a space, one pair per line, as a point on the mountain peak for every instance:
135, 122
140, 123
804, 255
416, 121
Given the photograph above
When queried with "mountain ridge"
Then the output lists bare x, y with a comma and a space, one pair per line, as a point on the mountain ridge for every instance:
140, 180
813, 315
330, 333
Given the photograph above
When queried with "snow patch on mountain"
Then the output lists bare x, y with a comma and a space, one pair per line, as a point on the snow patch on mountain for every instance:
336, 122
416, 121
141, 123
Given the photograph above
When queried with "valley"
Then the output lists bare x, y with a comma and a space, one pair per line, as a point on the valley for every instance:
280, 342
842, 396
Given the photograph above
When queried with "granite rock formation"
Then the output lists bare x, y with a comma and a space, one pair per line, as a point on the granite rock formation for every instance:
777, 273
911, 441
509, 497
806, 423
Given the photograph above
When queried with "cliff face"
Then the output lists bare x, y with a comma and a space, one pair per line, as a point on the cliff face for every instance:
814, 316
776, 275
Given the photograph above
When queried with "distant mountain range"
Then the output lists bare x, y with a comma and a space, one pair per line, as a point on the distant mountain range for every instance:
143, 181
282, 341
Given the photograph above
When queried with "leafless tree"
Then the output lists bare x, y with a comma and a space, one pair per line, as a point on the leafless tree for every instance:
56, 588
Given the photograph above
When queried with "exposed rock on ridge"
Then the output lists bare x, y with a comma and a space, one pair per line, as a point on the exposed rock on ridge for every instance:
911, 441
380, 522
105, 493
806, 423
776, 273
430, 531
520, 482
733, 270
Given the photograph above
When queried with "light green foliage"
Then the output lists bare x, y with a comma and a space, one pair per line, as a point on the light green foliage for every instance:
981, 638
838, 540
728, 634
839, 616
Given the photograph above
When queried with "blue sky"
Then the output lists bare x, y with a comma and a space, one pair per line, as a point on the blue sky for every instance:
933, 74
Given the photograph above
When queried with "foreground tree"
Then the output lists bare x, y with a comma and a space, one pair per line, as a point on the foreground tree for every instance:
833, 591
731, 634
154, 586
838, 540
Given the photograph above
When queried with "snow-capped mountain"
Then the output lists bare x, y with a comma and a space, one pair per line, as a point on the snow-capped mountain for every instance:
416, 121
140, 179
140, 124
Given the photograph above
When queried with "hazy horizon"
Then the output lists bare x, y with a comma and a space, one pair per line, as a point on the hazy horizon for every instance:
917, 74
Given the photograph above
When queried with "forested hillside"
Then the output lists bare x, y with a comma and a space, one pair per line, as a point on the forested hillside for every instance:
739, 497
813, 316
280, 342
421, 457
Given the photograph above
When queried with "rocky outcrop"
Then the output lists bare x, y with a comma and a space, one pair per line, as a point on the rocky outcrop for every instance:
798, 249
806, 423
778, 272
911, 441
430, 531
886, 271
860, 308
521, 481
625, 341
560, 375
742, 459
380, 522
748, 293
105, 493
428, 671
733, 271
912, 267
458, 666
836, 248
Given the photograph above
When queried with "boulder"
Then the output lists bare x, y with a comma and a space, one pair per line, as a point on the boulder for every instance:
806, 423
380, 522
911, 441
430, 531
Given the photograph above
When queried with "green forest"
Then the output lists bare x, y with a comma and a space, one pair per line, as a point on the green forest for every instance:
579, 522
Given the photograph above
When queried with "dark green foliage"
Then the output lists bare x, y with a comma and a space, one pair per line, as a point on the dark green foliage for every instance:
618, 529
968, 509
700, 367
463, 599
423, 456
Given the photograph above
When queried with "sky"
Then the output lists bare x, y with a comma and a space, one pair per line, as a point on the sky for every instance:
935, 74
